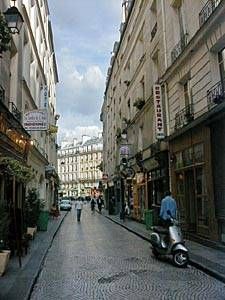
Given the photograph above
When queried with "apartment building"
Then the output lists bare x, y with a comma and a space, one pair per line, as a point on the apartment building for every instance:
79, 166
28, 78
165, 91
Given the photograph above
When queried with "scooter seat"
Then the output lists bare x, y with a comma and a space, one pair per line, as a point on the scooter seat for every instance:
160, 229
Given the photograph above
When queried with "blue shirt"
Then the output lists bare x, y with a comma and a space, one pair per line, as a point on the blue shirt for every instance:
168, 203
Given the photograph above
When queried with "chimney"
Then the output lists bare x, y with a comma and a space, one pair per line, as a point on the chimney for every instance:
74, 142
125, 9
85, 138
100, 135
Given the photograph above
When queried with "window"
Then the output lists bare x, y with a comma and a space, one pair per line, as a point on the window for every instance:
221, 57
187, 93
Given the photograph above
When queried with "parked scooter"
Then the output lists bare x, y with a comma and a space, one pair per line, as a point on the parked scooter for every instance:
170, 242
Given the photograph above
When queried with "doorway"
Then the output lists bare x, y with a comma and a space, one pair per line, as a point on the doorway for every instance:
190, 200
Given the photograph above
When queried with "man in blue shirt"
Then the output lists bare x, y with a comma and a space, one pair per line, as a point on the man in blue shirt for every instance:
168, 204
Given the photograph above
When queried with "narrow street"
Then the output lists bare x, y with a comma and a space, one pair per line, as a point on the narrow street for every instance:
98, 259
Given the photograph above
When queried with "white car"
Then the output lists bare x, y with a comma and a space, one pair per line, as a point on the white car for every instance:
65, 204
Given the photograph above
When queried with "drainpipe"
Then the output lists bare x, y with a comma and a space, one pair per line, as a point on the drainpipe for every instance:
164, 33
165, 84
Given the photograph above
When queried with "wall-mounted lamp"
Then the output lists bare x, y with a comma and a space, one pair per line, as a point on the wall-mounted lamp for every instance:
14, 19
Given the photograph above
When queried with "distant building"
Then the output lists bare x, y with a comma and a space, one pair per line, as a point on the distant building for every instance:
79, 166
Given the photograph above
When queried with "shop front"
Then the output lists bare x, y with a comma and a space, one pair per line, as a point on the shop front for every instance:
192, 182
14, 174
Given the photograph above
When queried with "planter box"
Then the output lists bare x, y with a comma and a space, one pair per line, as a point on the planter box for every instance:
4, 259
43, 221
32, 231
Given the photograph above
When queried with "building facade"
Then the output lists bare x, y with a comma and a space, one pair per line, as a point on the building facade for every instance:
28, 77
79, 166
165, 91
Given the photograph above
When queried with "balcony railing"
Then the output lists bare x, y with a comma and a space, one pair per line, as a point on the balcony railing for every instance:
153, 32
215, 95
185, 116
14, 110
207, 10
179, 48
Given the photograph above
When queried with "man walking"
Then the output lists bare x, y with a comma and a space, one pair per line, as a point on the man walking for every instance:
79, 207
168, 209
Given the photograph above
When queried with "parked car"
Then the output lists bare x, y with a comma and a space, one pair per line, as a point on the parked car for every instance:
65, 204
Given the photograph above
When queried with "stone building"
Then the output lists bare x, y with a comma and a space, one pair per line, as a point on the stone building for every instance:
28, 76
79, 166
165, 91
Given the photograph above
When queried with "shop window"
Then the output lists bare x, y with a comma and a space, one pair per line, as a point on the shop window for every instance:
199, 153
179, 160
188, 156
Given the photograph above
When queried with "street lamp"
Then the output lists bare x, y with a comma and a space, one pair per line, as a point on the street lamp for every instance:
9, 24
14, 19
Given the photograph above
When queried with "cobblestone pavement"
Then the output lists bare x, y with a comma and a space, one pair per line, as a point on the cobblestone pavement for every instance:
97, 259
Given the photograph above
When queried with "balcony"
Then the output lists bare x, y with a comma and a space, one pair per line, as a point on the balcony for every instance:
207, 10
14, 110
153, 32
183, 117
215, 95
179, 48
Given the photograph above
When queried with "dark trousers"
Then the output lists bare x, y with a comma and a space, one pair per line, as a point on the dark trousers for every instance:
78, 214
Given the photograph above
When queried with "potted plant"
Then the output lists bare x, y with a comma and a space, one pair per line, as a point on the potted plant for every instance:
31, 211
4, 230
139, 103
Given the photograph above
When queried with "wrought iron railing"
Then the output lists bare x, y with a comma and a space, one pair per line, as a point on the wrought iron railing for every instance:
2, 94
153, 32
185, 116
215, 95
14, 110
179, 48
207, 10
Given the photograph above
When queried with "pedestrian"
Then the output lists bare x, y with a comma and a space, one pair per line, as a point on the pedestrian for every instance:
100, 203
79, 207
168, 209
93, 205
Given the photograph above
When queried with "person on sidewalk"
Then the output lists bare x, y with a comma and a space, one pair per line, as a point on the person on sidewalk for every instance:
168, 209
79, 207
100, 203
93, 202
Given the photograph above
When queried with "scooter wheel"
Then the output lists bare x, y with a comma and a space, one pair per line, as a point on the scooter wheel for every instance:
155, 252
180, 259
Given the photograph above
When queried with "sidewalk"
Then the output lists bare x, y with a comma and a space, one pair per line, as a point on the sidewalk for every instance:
17, 283
209, 260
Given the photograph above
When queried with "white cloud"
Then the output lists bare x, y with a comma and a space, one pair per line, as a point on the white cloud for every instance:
84, 33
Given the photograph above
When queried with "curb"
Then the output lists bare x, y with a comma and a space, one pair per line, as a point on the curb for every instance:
25, 295
34, 281
192, 262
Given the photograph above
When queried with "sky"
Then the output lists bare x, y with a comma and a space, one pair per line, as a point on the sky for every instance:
84, 33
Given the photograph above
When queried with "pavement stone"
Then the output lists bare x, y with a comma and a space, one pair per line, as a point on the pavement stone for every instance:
17, 282
209, 260
96, 259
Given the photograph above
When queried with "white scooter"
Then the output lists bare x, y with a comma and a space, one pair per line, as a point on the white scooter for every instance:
170, 242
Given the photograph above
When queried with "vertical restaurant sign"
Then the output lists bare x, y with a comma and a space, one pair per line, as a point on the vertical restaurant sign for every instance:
157, 96
36, 120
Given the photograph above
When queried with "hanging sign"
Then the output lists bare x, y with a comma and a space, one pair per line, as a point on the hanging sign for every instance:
157, 94
36, 120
